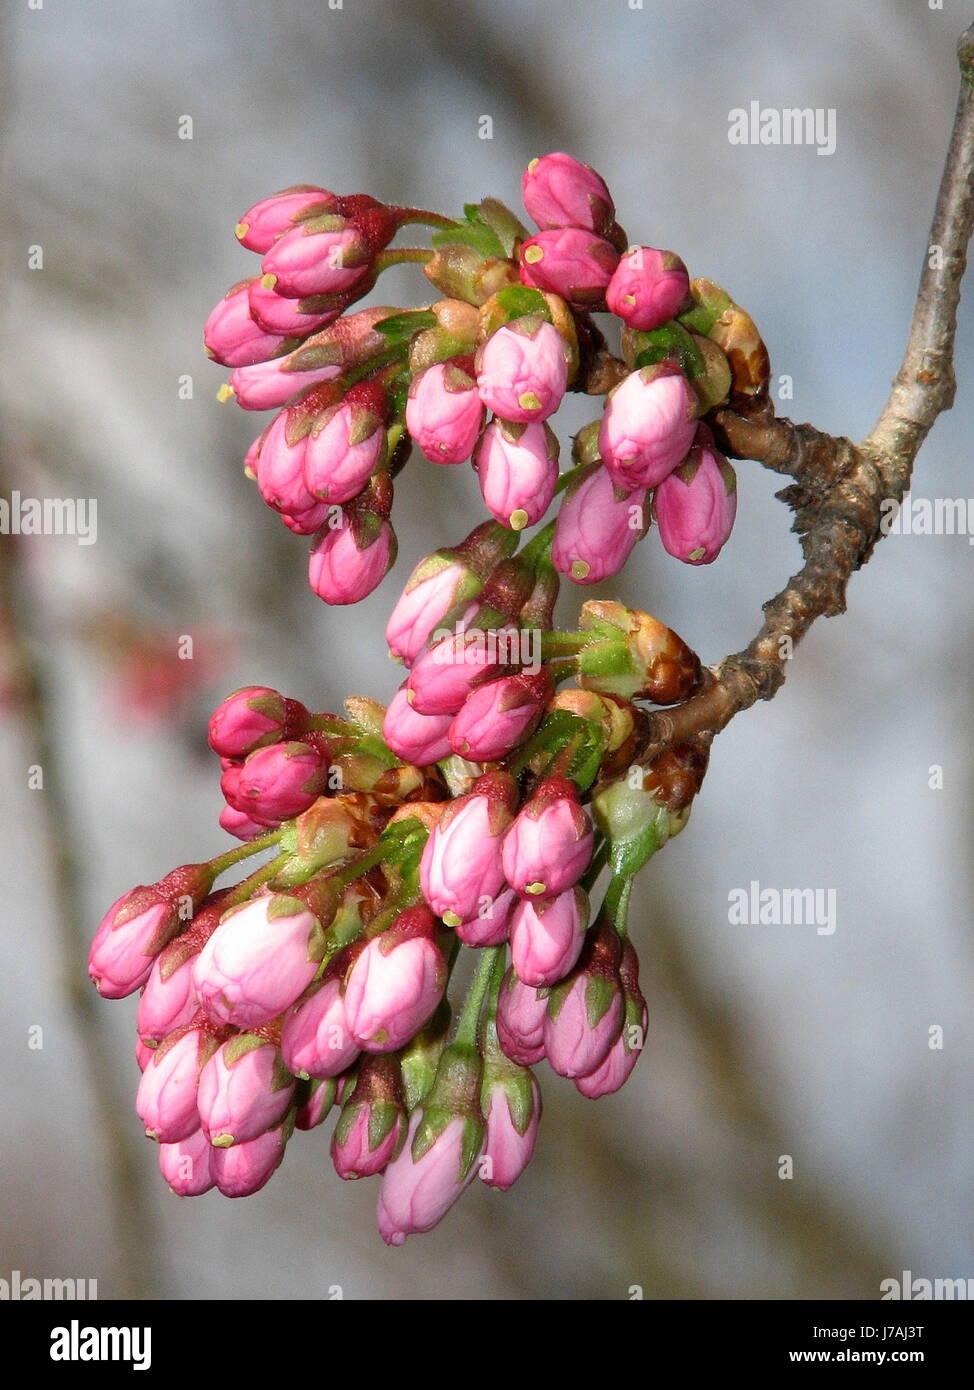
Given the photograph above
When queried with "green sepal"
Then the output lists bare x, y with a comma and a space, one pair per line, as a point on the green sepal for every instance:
599, 994
399, 328
502, 222
474, 231
670, 341
519, 300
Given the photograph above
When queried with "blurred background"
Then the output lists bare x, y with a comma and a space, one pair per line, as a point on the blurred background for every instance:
765, 1041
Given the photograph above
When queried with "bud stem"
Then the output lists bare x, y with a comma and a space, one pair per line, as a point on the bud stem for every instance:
565, 643
615, 905
221, 862
245, 888
399, 255
423, 217
469, 1025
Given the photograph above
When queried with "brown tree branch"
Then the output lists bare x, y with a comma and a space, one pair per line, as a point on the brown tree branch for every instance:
839, 487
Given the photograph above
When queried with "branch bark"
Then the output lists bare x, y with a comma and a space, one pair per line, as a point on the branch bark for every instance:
839, 487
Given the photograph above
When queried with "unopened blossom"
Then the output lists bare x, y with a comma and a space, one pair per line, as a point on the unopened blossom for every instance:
444, 413
316, 1040
417, 738
292, 317
517, 467
277, 782
268, 385
395, 983
549, 845
262, 224
231, 336
168, 1000
243, 1169
305, 261
280, 468
350, 560
696, 505
446, 673
491, 925
315, 1106
166, 1098
522, 370
598, 524
648, 287
185, 1165
559, 191
521, 1014
586, 1011
244, 1090
372, 1126
547, 936
496, 717
253, 718
137, 926
461, 863
647, 426
575, 264
615, 1069
511, 1104
343, 450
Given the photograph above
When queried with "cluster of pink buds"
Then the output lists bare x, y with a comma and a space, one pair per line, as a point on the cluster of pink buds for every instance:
498, 809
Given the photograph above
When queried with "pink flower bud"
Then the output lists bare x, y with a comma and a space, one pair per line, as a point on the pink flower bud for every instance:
597, 526
586, 1011
295, 318
696, 505
396, 983
417, 738
648, 288
647, 426
261, 957
254, 717
268, 385
444, 413
522, 370
521, 1015
348, 561
233, 338
277, 782
243, 1169
185, 1165
307, 523
316, 1039
130, 936
445, 674
262, 224
498, 716
547, 936
236, 823
307, 262
343, 450
492, 923
373, 1121
416, 1194
280, 467
461, 862
549, 846
354, 1157
143, 1054
615, 1069
423, 605
317, 1103
244, 1090
570, 262
512, 1110
518, 470
558, 191
166, 1099
168, 1000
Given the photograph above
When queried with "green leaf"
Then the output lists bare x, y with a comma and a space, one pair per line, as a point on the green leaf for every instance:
670, 341
398, 327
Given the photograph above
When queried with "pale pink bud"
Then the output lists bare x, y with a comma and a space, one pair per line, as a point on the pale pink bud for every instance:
586, 1011
185, 1165
243, 1169
422, 607
492, 923
559, 191
316, 1039
417, 1194
168, 1000
498, 716
348, 561
280, 468
253, 718
444, 414
461, 862
343, 452
445, 674
521, 1015
317, 1104
231, 336
277, 782
549, 846
648, 288
396, 983
696, 505
517, 466
372, 1125
236, 823
307, 523
317, 262
647, 426
166, 1099
510, 1145
570, 262
354, 1158
547, 936
416, 738
295, 318
261, 957
268, 385
244, 1090
262, 224
522, 370
130, 936
597, 526
615, 1069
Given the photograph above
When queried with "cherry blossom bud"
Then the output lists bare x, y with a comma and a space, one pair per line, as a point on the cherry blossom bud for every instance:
137, 926
559, 191
261, 957
517, 466
614, 1071
168, 1000
166, 1098
511, 1104
318, 1097
244, 1090
435, 587
236, 823
316, 1040
327, 255
446, 673
307, 523
395, 983
522, 370
243, 1169
696, 505
461, 862
372, 1126
262, 224
648, 288
549, 846
277, 782
295, 318
345, 446
598, 524
647, 426
267, 385
439, 1159
143, 1054
350, 560
585, 1011
570, 262
185, 1165
253, 718
547, 936
418, 738
521, 1014
280, 467
491, 925
498, 716
233, 338
635, 656
444, 413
